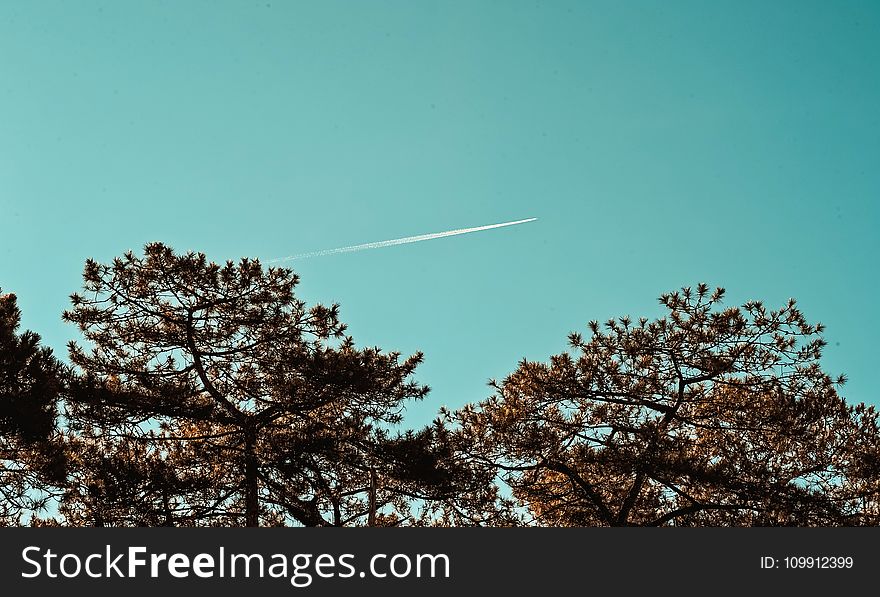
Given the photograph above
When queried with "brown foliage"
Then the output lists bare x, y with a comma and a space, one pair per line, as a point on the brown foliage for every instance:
706, 416
225, 399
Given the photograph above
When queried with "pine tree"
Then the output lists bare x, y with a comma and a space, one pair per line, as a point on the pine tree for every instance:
211, 395
31, 456
706, 416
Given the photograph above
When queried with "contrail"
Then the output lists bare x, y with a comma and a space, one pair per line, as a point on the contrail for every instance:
398, 241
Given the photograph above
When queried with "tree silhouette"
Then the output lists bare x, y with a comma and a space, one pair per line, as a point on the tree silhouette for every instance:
451, 489
212, 395
31, 457
706, 416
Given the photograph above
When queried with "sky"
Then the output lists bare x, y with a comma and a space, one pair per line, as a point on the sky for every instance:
659, 144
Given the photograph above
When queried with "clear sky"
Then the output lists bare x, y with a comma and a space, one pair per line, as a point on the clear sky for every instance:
660, 144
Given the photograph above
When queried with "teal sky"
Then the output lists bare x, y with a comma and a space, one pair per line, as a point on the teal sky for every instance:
660, 144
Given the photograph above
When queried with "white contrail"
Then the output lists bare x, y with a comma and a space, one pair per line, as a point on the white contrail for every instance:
398, 241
